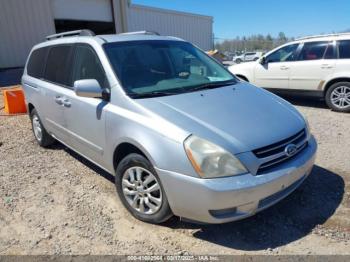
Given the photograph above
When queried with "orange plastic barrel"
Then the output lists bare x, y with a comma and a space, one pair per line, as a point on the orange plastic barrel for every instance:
14, 101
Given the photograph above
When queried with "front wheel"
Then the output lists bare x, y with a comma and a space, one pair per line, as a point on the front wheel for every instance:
141, 191
238, 61
338, 97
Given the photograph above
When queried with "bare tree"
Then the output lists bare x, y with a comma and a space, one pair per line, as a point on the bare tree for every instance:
251, 43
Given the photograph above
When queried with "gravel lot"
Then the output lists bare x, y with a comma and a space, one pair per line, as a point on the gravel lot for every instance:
54, 202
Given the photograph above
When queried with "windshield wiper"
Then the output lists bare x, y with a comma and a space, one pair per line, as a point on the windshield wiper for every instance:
211, 85
150, 94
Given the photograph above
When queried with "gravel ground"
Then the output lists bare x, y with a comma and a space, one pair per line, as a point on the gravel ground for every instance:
54, 202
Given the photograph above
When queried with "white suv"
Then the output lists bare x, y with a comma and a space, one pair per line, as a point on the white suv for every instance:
317, 66
246, 57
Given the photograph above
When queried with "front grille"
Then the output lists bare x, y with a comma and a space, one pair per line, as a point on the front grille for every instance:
274, 154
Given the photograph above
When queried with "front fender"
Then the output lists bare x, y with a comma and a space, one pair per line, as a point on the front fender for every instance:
242, 70
152, 136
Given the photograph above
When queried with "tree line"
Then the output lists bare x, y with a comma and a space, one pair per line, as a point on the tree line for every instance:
251, 43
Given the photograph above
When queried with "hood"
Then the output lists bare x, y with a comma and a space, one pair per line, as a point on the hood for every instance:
239, 117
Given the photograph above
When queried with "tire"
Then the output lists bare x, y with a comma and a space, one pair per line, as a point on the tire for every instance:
238, 61
338, 97
42, 137
130, 190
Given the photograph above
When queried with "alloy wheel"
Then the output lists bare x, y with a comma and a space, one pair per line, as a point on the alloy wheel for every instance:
38, 132
142, 191
340, 97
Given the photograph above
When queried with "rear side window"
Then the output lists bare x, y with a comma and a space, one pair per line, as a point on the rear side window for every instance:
36, 63
58, 66
88, 66
330, 52
344, 49
313, 51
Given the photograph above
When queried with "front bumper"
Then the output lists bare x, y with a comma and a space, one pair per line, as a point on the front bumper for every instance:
228, 199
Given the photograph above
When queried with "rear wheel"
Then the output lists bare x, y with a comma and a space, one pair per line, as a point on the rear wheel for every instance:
338, 97
140, 190
42, 137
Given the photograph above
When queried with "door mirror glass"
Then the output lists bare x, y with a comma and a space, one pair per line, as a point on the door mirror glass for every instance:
88, 88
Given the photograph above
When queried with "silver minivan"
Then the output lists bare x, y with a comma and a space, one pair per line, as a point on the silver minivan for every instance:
182, 135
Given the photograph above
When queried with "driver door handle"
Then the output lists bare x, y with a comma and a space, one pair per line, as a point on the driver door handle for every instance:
284, 67
326, 66
66, 102
58, 100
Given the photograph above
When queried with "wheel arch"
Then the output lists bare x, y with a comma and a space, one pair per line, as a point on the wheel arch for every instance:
30, 107
125, 148
333, 81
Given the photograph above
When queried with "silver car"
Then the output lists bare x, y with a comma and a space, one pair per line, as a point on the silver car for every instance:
181, 134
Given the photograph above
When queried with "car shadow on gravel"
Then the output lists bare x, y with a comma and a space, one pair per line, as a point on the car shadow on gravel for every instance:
84, 161
291, 219
312, 204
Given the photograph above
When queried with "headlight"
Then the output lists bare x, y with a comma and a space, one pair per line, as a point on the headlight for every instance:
210, 160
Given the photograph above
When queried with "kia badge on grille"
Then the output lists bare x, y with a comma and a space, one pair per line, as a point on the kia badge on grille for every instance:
290, 150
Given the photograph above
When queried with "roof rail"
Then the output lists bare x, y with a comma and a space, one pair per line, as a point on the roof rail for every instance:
316, 36
144, 32
84, 32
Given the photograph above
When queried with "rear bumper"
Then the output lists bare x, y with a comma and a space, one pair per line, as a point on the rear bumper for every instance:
227, 199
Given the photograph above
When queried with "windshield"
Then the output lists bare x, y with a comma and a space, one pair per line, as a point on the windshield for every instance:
158, 67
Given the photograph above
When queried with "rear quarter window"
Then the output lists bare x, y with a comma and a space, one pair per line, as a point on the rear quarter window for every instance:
36, 63
344, 49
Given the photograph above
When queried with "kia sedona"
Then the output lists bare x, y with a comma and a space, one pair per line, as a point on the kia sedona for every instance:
180, 133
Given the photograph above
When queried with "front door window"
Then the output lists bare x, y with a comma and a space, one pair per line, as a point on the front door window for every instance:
284, 54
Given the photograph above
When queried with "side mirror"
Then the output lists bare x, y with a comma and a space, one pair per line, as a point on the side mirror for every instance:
262, 60
90, 88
